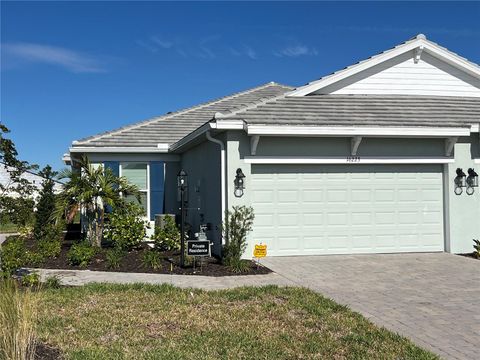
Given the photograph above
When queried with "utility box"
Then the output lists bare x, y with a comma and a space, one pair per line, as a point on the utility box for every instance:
160, 219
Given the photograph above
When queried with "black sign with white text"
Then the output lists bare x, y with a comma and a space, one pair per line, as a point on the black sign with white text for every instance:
198, 248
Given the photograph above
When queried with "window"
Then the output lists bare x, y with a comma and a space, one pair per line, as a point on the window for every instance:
137, 174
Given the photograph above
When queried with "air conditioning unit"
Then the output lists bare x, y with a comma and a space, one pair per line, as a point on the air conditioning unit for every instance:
160, 219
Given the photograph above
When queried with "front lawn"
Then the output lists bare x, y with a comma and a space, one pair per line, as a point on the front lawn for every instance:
163, 322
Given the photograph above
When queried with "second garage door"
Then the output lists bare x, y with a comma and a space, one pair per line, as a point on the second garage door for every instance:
347, 209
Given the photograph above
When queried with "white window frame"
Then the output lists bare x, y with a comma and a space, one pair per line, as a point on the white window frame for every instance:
120, 173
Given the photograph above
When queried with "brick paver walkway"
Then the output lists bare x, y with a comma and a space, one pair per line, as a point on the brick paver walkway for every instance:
431, 298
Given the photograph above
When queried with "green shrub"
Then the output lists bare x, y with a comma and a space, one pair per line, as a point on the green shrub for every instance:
53, 282
31, 280
81, 254
167, 238
25, 232
50, 248
476, 247
239, 265
114, 257
13, 255
125, 227
152, 259
238, 223
35, 258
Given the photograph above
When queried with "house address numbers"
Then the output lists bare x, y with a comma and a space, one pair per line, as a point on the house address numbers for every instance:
353, 159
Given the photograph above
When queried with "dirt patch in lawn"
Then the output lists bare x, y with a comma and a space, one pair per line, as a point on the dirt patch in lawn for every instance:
133, 262
47, 352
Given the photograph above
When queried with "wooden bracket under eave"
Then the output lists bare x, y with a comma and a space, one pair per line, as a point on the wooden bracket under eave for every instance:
356, 140
449, 145
254, 139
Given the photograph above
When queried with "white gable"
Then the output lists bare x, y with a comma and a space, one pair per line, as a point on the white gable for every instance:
403, 76
416, 67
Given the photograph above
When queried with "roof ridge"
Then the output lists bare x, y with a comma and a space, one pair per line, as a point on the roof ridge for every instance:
178, 112
253, 105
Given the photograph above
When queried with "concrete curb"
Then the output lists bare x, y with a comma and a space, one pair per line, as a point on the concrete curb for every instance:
82, 277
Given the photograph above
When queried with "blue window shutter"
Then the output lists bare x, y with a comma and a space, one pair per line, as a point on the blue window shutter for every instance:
157, 188
115, 167
112, 165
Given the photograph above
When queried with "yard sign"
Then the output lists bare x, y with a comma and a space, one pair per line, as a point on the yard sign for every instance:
260, 251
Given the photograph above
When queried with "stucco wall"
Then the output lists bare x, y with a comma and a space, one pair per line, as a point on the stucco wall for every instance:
202, 164
464, 210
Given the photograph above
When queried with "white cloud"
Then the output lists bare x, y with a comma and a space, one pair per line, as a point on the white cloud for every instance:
162, 43
71, 60
250, 52
147, 46
245, 50
296, 50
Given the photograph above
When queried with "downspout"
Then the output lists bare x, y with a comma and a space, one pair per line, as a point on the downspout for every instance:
222, 174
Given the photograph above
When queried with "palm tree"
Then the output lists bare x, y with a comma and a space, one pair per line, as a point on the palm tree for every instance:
92, 189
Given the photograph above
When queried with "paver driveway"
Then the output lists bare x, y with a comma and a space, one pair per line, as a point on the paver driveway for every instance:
431, 298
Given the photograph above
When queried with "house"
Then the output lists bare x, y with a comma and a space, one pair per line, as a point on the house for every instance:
35, 179
369, 159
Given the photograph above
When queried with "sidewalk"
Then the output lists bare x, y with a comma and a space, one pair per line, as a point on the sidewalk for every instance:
81, 277
4, 236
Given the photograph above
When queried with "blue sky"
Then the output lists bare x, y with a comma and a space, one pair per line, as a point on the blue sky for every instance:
73, 69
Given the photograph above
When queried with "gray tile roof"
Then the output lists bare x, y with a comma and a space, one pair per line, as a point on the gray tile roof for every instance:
172, 127
368, 110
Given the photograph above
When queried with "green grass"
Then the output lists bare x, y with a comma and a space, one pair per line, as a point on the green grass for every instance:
162, 322
8, 228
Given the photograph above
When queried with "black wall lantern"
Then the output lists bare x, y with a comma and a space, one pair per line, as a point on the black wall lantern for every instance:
472, 181
239, 183
459, 181
182, 178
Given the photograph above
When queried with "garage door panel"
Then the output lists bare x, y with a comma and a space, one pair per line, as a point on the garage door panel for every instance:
347, 209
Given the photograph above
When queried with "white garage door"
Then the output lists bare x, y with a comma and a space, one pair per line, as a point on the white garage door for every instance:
347, 209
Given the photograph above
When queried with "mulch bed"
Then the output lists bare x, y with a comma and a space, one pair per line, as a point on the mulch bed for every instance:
472, 255
133, 262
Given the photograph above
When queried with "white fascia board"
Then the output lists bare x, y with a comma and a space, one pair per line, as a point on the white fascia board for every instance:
452, 59
101, 149
217, 125
285, 130
352, 160
193, 135
316, 85
229, 125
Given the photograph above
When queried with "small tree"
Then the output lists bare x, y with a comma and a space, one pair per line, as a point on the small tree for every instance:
238, 223
16, 203
46, 205
92, 189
